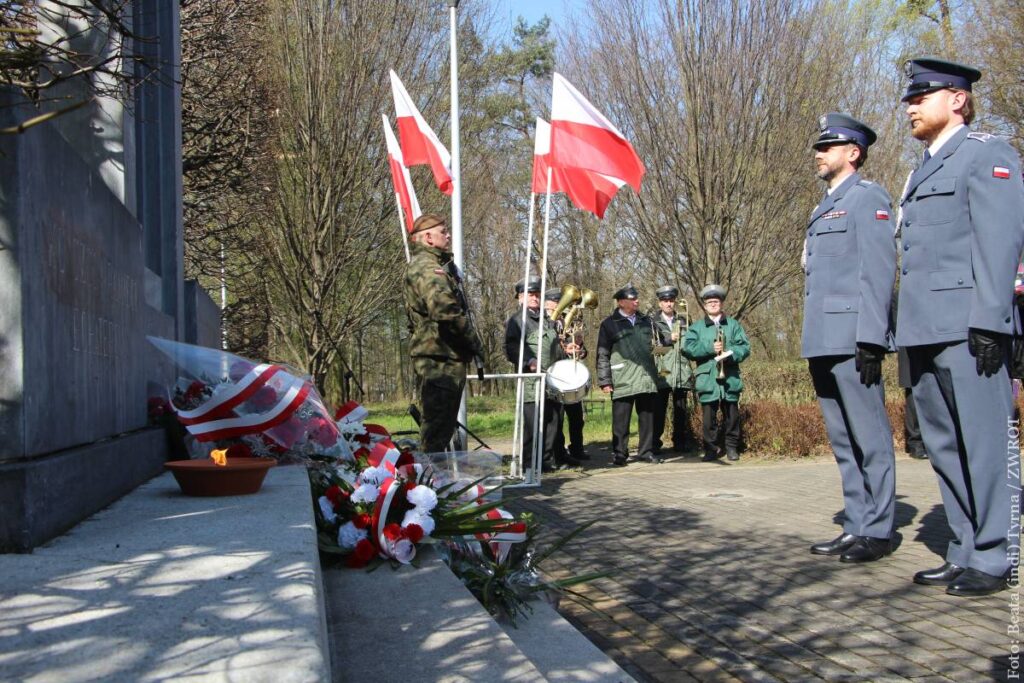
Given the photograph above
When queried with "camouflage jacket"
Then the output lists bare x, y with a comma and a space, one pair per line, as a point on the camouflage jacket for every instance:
439, 326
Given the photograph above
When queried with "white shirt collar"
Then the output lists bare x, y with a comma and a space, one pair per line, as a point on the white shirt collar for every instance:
943, 139
630, 318
716, 319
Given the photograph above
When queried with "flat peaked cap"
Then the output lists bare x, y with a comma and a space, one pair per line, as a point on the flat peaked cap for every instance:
534, 285
553, 295
930, 73
713, 292
667, 292
426, 222
834, 128
627, 292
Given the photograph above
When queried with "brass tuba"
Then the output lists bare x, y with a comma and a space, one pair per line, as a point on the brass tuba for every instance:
570, 297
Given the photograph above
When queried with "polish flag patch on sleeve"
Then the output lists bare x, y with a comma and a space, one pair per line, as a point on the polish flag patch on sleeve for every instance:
881, 215
1000, 172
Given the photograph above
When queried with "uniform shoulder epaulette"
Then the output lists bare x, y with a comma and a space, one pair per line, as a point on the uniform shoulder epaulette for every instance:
865, 183
980, 137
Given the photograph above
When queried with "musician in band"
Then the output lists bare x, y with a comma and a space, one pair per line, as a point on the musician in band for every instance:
626, 372
573, 412
537, 334
675, 376
718, 382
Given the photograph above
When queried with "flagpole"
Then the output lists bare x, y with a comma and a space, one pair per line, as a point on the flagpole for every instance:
401, 227
537, 445
456, 179
517, 427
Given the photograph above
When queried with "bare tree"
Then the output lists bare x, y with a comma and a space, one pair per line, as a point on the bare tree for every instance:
332, 246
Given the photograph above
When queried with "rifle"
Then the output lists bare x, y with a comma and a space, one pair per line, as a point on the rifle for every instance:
453, 270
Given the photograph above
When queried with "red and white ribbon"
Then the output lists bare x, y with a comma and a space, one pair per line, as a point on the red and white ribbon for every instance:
225, 400
233, 427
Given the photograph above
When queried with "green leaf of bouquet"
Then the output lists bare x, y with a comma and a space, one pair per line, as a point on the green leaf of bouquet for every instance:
554, 547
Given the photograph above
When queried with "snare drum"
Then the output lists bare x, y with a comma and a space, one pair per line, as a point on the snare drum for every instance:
568, 381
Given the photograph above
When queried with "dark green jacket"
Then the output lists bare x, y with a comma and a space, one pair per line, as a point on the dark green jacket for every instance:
552, 348
699, 346
674, 371
439, 326
624, 359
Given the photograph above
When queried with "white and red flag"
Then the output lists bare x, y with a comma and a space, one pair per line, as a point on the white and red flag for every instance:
404, 190
420, 145
586, 190
581, 137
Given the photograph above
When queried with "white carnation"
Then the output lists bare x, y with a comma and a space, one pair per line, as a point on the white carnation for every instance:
375, 475
349, 535
423, 497
421, 519
366, 493
327, 510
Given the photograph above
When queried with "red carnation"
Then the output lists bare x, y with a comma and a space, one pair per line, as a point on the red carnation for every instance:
409, 486
362, 521
363, 553
392, 532
404, 459
363, 438
194, 391
239, 450
414, 532
264, 399
333, 494
322, 431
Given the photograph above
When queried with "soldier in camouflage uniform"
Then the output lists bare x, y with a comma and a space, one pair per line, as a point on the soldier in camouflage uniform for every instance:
442, 338
675, 376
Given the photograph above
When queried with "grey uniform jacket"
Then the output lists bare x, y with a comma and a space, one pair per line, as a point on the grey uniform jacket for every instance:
850, 270
962, 230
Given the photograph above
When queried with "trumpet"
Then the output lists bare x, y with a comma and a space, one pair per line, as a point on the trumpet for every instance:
720, 337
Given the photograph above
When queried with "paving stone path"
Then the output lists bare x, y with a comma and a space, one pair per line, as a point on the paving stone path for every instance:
714, 581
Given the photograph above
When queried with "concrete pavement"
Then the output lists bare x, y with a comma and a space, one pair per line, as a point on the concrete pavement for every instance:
714, 581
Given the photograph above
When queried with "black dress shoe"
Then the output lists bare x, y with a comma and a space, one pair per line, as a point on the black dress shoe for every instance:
568, 461
867, 549
731, 454
942, 576
918, 455
651, 458
581, 455
837, 546
619, 461
973, 583
711, 456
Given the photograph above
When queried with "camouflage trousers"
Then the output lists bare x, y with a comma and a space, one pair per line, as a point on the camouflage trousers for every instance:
440, 385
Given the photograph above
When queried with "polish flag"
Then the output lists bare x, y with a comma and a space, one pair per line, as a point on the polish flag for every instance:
586, 190
420, 144
581, 137
404, 190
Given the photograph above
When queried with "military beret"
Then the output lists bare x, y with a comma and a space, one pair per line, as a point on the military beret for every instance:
836, 128
627, 292
553, 295
667, 292
928, 73
534, 285
426, 222
713, 292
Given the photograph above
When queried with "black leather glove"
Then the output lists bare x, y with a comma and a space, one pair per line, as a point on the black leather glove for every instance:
868, 362
988, 349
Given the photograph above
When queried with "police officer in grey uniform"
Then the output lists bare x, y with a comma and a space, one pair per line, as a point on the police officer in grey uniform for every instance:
850, 266
962, 229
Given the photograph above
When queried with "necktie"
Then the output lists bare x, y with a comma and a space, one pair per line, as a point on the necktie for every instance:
927, 156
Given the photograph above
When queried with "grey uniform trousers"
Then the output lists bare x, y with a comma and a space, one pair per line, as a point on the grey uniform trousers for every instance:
974, 448
861, 438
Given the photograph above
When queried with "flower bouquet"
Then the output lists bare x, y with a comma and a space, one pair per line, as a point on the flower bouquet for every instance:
258, 409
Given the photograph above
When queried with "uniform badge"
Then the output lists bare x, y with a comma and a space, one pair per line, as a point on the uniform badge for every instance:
881, 215
823, 124
833, 214
1000, 172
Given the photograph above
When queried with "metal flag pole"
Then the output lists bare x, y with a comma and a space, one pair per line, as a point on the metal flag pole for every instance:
538, 447
456, 179
517, 426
